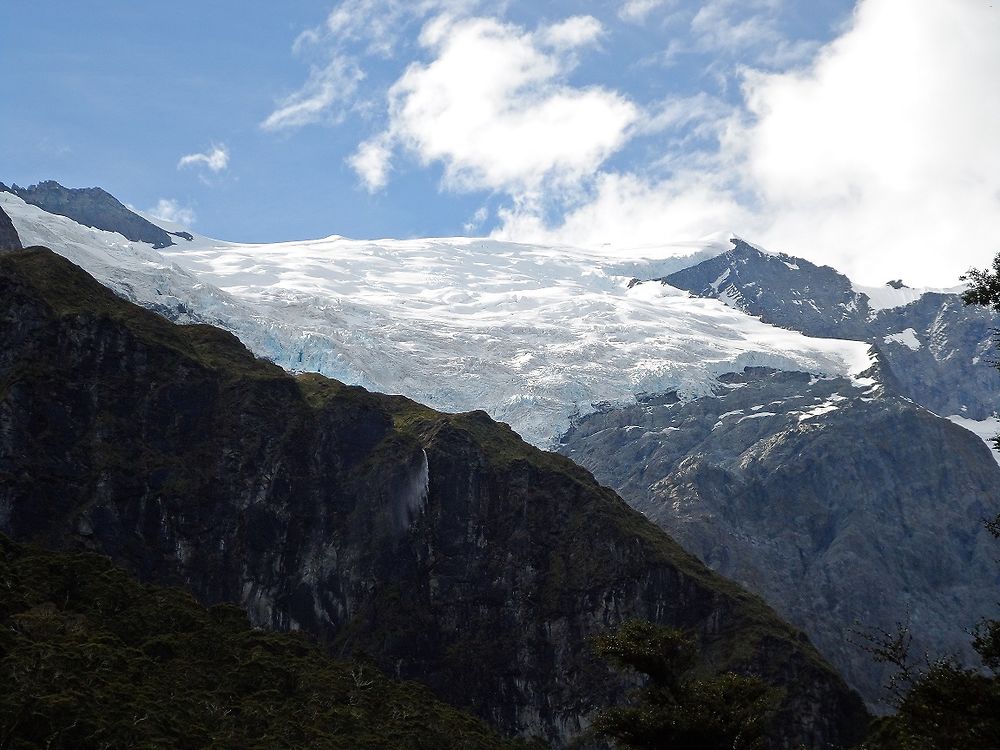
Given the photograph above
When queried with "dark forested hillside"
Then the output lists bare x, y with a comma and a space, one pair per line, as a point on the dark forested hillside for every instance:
90, 658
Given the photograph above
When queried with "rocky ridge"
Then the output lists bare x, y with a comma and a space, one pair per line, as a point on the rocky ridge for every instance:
93, 207
935, 347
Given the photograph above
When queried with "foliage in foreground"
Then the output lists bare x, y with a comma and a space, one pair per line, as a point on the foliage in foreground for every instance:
90, 658
677, 708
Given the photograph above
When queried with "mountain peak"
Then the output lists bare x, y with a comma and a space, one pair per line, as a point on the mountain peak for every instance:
92, 207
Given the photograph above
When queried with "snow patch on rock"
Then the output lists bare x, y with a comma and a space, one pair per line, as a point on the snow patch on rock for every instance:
907, 337
985, 429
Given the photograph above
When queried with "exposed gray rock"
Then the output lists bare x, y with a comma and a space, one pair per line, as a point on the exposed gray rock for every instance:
935, 347
843, 506
8, 234
93, 207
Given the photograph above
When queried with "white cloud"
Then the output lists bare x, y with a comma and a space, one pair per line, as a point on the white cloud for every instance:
636, 11
331, 84
381, 25
575, 31
353, 30
170, 210
706, 114
885, 151
216, 159
371, 161
734, 24
628, 211
880, 157
735, 33
474, 223
494, 109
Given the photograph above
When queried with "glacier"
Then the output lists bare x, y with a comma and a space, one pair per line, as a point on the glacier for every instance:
535, 335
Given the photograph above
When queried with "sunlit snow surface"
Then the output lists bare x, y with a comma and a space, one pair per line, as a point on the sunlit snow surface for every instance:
887, 297
533, 335
985, 429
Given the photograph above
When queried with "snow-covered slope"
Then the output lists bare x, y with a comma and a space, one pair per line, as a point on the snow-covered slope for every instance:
887, 297
534, 335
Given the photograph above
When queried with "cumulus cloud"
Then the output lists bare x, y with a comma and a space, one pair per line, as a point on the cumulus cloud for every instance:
371, 162
628, 212
879, 157
170, 210
494, 109
215, 159
353, 30
575, 31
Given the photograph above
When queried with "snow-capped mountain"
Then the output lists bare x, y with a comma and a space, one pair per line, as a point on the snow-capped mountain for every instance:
928, 341
777, 419
535, 336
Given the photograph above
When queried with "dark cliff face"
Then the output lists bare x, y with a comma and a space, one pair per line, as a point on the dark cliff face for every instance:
842, 505
8, 234
92, 207
441, 545
935, 347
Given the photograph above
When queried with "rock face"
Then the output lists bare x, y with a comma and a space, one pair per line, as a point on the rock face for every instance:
441, 545
8, 234
92, 207
844, 506
935, 347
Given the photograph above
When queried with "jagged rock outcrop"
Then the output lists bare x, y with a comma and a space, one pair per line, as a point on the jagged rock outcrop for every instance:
936, 347
8, 234
92, 207
844, 506
441, 545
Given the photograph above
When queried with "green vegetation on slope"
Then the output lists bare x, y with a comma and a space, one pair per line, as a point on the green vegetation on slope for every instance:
677, 708
91, 658
68, 292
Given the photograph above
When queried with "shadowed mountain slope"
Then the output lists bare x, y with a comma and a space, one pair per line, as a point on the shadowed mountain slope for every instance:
842, 505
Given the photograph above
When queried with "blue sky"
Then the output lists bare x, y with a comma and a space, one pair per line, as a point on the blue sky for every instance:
857, 134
